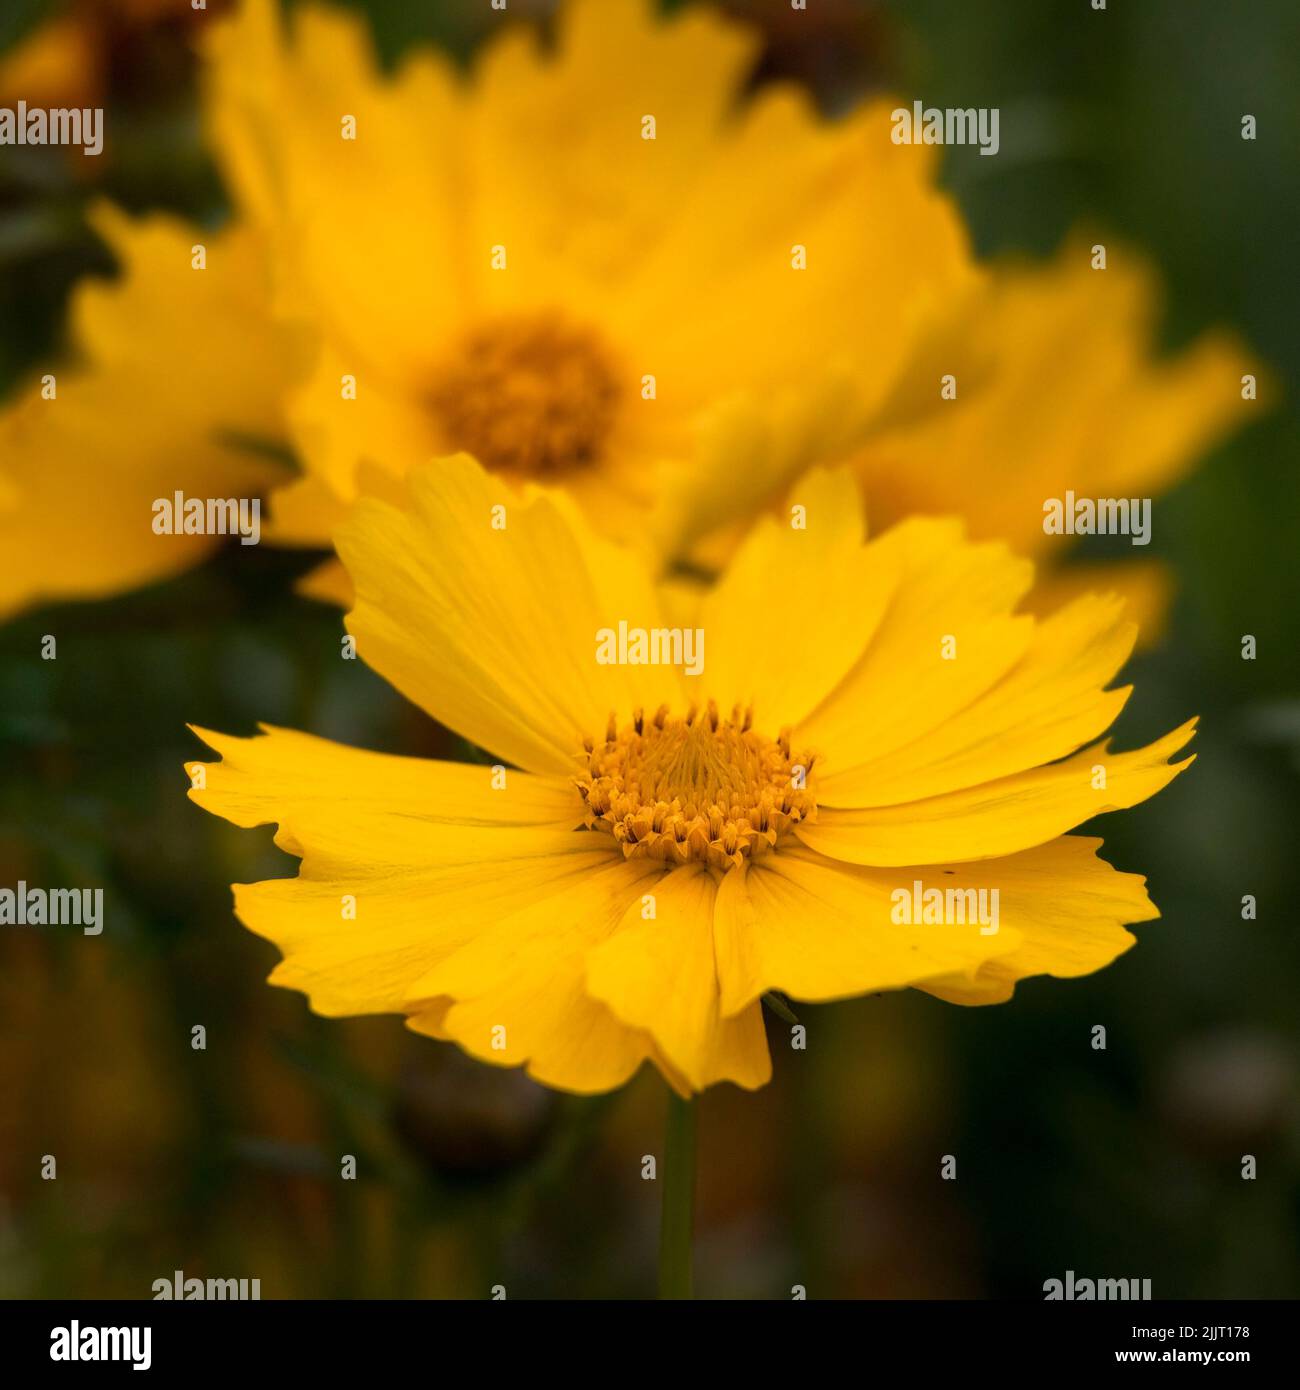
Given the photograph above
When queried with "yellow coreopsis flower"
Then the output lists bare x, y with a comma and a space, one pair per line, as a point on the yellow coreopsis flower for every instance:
1059, 393
1054, 391
700, 798
597, 263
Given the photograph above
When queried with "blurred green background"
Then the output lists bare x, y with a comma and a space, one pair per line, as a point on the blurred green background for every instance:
1119, 1163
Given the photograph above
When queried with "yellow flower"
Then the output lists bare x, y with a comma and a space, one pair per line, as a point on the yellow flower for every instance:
176, 371
656, 850
1056, 391
599, 264
1059, 392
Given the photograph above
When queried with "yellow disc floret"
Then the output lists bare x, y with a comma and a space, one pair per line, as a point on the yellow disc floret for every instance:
529, 394
699, 787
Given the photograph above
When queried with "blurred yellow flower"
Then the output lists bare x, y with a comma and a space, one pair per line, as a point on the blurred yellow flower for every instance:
176, 372
871, 725
1056, 390
1061, 393
598, 263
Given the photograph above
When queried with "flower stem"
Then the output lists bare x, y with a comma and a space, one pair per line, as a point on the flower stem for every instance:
675, 1229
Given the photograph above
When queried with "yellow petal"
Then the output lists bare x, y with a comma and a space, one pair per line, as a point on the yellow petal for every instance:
797, 605
1050, 703
304, 512
1058, 389
403, 859
1070, 909
562, 173
177, 368
374, 283
322, 781
494, 631
519, 986
1146, 586
999, 817
327, 583
345, 417
789, 365
947, 636
817, 929
659, 974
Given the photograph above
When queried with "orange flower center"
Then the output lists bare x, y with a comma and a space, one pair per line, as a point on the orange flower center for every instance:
529, 394
699, 787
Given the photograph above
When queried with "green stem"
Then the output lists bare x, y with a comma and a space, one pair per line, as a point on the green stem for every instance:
679, 1199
